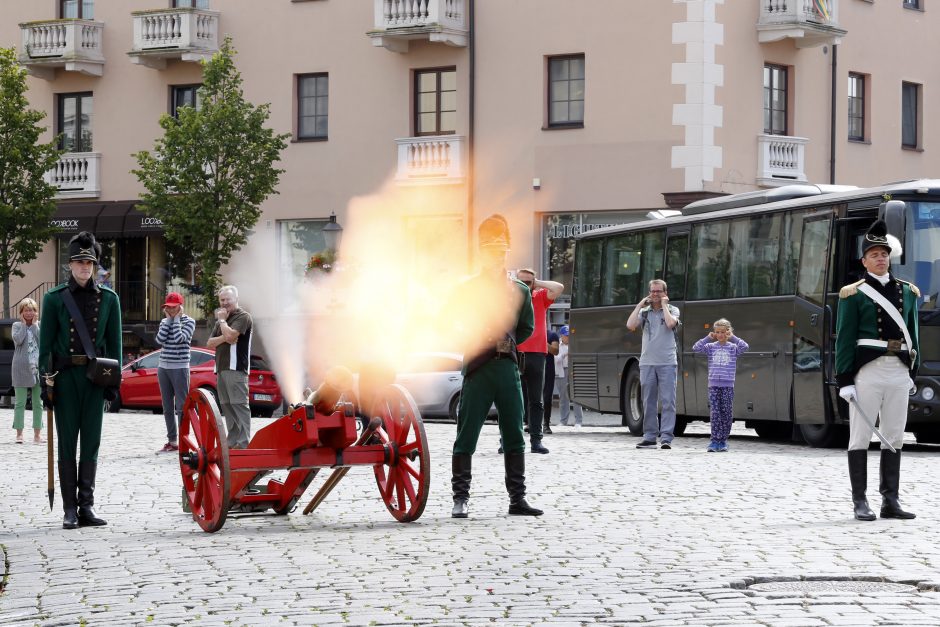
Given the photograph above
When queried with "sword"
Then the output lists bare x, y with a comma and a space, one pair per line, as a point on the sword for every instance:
50, 431
871, 423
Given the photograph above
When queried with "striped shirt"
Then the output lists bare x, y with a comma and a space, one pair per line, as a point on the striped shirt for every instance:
722, 359
175, 335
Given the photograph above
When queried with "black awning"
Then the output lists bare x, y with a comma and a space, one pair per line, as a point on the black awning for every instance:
139, 224
70, 218
111, 220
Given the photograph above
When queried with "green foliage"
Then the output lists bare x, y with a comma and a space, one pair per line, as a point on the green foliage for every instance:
208, 175
26, 200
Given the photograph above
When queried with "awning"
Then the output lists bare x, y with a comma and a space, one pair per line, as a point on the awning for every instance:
111, 220
139, 224
70, 218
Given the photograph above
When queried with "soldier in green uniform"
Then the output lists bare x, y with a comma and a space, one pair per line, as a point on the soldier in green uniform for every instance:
78, 403
876, 360
499, 315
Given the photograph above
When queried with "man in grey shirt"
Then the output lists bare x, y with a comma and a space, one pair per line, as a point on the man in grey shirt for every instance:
658, 363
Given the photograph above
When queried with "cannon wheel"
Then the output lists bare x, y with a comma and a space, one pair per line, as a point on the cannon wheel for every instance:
204, 460
404, 480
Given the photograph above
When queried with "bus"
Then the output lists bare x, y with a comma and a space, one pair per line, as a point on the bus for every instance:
772, 262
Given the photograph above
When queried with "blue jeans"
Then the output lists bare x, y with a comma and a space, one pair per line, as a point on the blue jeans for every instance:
658, 384
174, 386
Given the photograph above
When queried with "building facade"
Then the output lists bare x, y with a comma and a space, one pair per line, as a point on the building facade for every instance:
563, 115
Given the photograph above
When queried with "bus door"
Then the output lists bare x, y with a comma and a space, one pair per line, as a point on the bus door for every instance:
811, 321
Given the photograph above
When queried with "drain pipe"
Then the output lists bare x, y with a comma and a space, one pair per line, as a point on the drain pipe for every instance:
832, 117
471, 96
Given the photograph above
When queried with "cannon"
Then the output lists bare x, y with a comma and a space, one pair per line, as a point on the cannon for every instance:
323, 431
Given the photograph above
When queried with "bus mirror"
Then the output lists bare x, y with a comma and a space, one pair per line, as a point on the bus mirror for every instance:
894, 213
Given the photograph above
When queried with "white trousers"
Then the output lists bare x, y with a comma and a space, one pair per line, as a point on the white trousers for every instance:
882, 386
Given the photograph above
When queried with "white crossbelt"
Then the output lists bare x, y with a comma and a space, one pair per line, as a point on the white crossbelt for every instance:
893, 313
879, 344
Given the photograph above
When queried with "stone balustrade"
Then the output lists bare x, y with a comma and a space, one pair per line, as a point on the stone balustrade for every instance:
397, 22
781, 160
184, 33
431, 160
807, 22
77, 175
72, 44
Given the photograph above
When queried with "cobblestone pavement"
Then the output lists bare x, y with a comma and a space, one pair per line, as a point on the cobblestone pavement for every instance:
629, 536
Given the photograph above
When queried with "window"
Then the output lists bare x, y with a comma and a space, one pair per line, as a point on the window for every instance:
190, 4
754, 248
631, 262
183, 96
81, 9
313, 92
856, 107
708, 270
911, 4
74, 122
587, 282
298, 240
812, 277
677, 256
435, 102
775, 100
197, 358
910, 112
789, 253
566, 91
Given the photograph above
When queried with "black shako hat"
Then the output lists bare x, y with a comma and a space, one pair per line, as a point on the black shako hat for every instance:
83, 247
494, 233
877, 235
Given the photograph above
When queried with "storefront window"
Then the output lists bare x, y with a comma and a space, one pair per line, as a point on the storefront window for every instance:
298, 240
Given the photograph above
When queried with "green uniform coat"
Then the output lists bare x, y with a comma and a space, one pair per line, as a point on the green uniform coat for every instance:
79, 404
497, 381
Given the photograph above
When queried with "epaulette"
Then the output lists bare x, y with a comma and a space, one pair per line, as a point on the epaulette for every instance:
58, 288
850, 290
913, 287
105, 288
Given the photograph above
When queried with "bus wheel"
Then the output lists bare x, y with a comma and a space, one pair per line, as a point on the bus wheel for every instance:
825, 436
774, 430
681, 424
631, 402
927, 435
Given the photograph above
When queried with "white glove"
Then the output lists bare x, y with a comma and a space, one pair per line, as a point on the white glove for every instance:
913, 386
848, 393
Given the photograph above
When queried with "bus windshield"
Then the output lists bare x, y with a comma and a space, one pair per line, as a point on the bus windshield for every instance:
922, 254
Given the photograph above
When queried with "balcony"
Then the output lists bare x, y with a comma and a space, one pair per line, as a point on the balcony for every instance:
76, 175
73, 45
436, 160
801, 20
163, 35
397, 22
781, 160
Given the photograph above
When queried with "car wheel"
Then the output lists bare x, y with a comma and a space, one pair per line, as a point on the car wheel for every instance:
453, 407
113, 407
264, 412
825, 436
631, 401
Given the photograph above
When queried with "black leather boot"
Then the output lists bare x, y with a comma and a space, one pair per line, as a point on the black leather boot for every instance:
890, 479
460, 480
67, 483
515, 485
537, 447
858, 475
86, 495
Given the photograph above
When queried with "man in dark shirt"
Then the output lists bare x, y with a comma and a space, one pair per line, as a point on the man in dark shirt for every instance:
231, 339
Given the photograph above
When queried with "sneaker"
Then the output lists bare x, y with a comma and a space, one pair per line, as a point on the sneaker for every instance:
169, 448
712, 447
577, 426
665, 446
646, 444
722, 447
546, 429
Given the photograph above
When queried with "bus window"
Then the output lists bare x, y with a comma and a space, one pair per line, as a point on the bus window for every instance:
587, 278
789, 253
709, 265
654, 244
754, 247
813, 258
677, 254
624, 257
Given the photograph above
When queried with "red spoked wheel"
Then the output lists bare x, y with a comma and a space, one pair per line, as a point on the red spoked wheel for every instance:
405, 478
204, 460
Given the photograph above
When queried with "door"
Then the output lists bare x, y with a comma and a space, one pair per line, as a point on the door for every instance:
811, 322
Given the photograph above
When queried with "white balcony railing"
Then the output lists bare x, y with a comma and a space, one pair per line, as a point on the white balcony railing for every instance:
807, 22
74, 45
164, 34
77, 175
397, 22
431, 160
781, 160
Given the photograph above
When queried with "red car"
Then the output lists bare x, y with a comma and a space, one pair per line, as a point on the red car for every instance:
140, 389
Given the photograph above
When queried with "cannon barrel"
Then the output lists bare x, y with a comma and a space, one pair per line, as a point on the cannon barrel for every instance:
338, 380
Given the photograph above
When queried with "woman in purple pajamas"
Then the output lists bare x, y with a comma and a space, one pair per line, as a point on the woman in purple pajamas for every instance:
722, 348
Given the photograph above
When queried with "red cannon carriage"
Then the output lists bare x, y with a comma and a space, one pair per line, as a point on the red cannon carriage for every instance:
318, 433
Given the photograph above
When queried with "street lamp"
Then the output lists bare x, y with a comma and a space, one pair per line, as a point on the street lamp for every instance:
332, 233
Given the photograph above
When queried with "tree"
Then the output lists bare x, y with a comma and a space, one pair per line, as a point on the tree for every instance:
208, 175
26, 199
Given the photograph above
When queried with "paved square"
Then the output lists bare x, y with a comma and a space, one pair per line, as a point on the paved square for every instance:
629, 537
